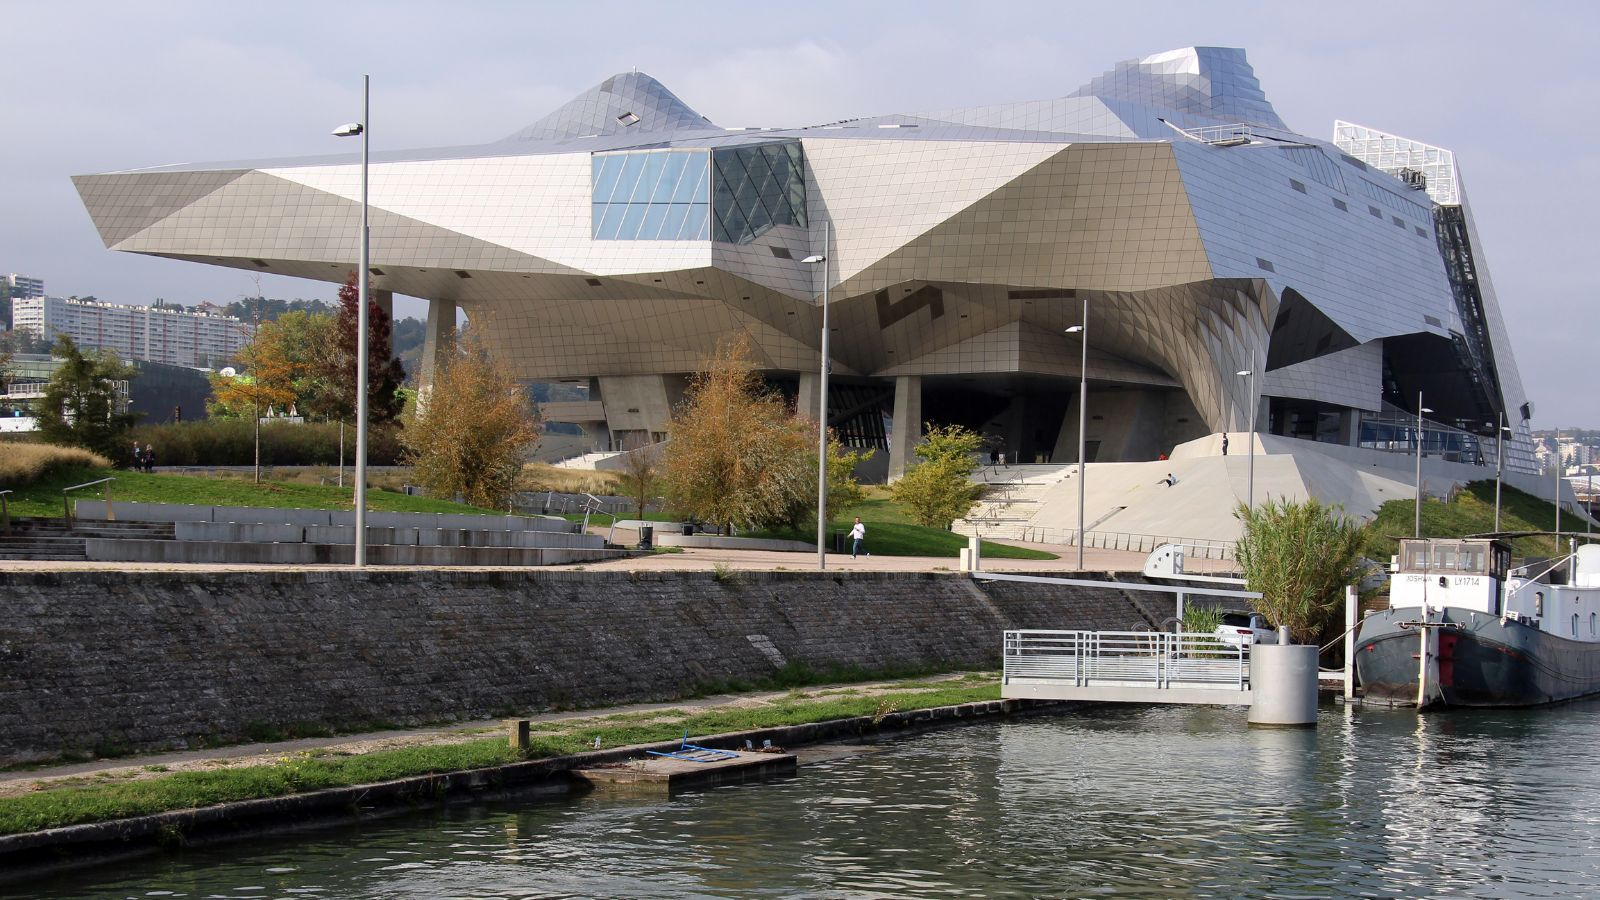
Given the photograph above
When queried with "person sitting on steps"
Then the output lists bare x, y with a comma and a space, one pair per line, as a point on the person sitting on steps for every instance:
1169, 481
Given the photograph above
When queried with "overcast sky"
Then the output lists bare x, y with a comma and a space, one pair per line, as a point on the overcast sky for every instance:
92, 87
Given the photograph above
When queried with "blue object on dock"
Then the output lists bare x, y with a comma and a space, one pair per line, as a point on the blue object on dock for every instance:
695, 753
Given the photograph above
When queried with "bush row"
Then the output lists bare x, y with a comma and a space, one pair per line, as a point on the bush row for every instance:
231, 442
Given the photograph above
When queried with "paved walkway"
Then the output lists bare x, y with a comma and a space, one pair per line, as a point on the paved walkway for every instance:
151, 765
693, 559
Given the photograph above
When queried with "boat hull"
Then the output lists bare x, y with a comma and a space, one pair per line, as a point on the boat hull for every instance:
1475, 660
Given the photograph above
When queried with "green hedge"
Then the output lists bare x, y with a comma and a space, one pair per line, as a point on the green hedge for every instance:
231, 442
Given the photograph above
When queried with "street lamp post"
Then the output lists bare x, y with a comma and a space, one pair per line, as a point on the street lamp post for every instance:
822, 409
1499, 467
1417, 529
1250, 461
1083, 415
352, 130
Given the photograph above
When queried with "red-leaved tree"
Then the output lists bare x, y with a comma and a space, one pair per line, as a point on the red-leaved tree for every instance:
338, 364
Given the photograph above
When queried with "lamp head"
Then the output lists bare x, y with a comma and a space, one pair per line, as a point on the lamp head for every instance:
1425, 409
351, 130
1245, 373
1074, 329
813, 259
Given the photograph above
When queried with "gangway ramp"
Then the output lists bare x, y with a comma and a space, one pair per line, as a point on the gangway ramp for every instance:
1125, 666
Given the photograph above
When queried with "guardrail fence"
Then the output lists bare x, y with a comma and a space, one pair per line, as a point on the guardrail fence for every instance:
1147, 659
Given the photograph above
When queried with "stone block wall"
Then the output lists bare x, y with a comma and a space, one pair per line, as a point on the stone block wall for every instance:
154, 660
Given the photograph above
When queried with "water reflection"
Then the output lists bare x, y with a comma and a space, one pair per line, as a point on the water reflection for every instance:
1134, 801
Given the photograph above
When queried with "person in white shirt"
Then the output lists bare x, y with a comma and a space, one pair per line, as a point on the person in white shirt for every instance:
858, 533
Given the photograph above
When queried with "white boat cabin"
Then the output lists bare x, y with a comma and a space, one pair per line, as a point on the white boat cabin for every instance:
1477, 575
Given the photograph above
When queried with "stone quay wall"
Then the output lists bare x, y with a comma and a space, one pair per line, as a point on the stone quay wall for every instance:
134, 661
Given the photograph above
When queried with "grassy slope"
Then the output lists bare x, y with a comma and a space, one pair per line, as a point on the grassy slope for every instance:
1470, 512
43, 497
104, 798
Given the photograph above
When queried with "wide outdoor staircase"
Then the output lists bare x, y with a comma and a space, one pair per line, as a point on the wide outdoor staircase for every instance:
1011, 497
56, 539
587, 460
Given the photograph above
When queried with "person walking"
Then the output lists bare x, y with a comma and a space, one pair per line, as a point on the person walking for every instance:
149, 458
1224, 443
858, 533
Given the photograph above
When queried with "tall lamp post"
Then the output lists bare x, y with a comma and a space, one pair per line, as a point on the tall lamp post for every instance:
1417, 529
360, 129
1499, 467
1250, 463
1083, 415
822, 409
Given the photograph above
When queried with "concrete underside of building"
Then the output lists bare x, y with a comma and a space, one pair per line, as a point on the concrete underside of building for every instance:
1164, 207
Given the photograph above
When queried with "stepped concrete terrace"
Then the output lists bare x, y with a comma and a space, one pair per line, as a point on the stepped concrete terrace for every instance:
1129, 505
174, 533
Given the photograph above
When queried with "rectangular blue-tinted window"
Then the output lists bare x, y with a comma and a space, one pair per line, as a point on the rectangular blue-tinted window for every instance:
755, 187
650, 195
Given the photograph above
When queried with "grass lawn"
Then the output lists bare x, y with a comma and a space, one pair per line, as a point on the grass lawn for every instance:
43, 497
1470, 512
105, 797
890, 532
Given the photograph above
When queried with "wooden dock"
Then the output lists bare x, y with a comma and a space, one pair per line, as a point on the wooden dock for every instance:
664, 775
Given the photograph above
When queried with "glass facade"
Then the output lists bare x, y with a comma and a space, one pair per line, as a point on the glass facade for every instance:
650, 195
731, 195
757, 187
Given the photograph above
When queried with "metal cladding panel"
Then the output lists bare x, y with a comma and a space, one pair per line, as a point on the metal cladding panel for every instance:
1374, 275
1352, 378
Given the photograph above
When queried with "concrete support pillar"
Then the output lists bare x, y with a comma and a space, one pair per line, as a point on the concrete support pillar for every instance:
637, 407
805, 402
437, 341
907, 424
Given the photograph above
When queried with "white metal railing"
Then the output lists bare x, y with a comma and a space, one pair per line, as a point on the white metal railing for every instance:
1199, 548
1153, 659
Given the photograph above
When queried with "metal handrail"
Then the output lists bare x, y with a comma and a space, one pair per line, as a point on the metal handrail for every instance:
66, 505
5, 514
1159, 660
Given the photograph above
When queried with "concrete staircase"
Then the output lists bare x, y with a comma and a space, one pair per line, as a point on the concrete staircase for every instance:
55, 539
1011, 498
587, 460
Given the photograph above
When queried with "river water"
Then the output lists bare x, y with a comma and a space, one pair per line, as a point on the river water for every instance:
1135, 801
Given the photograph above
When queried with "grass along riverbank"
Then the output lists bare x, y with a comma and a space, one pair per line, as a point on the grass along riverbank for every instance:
141, 790
42, 496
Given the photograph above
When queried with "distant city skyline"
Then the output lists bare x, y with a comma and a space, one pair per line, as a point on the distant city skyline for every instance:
188, 82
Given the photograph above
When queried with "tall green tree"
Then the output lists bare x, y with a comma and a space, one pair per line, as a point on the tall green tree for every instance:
1300, 556
82, 405
938, 489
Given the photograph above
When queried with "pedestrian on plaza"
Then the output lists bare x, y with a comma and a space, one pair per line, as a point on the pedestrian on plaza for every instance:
1224, 443
149, 458
1002, 458
858, 533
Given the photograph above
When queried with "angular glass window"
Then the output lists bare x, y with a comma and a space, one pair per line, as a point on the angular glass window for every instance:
757, 186
649, 195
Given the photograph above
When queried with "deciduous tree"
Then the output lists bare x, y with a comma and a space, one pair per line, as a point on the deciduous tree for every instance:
473, 434
737, 453
937, 490
337, 397
82, 405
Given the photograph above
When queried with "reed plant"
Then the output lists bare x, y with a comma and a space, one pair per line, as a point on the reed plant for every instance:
1300, 556
24, 463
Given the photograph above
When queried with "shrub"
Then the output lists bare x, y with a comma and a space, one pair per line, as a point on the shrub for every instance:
231, 442
1299, 556
22, 464
937, 489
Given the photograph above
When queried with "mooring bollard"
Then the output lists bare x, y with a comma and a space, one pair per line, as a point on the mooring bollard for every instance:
518, 729
1283, 683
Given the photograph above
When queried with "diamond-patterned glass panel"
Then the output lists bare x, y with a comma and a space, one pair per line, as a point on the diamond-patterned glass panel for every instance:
649, 195
757, 187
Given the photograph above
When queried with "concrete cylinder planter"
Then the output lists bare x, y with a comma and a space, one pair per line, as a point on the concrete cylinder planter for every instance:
1283, 685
